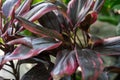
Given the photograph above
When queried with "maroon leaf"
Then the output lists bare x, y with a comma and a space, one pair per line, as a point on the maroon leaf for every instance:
89, 19
24, 7
39, 10
38, 45
90, 63
24, 41
74, 7
84, 10
110, 46
39, 30
66, 64
8, 5
50, 20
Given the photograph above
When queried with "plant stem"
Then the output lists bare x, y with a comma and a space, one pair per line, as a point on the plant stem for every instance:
14, 70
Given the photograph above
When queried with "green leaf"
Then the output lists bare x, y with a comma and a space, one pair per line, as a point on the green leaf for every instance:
37, 1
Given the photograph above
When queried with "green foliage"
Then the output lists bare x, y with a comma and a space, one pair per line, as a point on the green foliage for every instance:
37, 1
66, 1
109, 11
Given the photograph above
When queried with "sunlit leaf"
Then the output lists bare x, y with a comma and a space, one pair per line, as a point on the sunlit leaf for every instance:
39, 10
7, 6
24, 7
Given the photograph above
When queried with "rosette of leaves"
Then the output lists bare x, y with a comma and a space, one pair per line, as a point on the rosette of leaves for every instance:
61, 31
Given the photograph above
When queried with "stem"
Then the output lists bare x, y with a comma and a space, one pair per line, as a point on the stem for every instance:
14, 70
8, 71
84, 37
74, 76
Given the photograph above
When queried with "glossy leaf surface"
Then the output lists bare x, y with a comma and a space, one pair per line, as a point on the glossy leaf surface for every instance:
66, 64
7, 6
24, 7
39, 30
39, 10
50, 21
110, 46
30, 47
90, 63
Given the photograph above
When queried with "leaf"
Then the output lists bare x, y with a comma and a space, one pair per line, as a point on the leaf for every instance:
90, 18
39, 30
50, 21
98, 4
110, 46
74, 7
84, 10
24, 7
39, 10
66, 64
38, 72
23, 52
8, 5
37, 1
90, 63
60, 5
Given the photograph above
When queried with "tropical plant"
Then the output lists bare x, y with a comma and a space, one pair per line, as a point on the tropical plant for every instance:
56, 30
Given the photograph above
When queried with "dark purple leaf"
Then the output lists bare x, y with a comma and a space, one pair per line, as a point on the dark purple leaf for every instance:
66, 64
89, 19
60, 5
8, 6
38, 45
24, 41
50, 20
90, 63
85, 9
110, 46
24, 7
39, 10
77, 10
98, 4
39, 30
38, 72
74, 7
